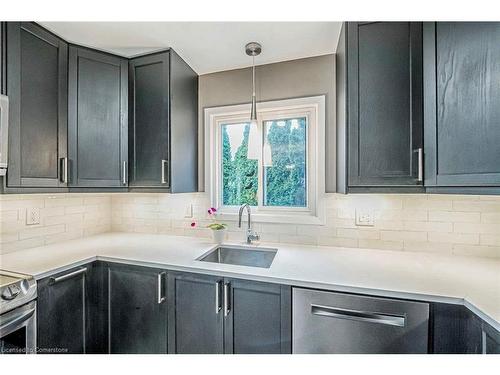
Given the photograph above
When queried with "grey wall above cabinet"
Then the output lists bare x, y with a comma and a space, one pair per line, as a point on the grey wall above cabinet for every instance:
288, 79
379, 107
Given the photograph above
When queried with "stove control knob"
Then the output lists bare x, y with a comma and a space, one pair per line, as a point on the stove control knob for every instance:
10, 292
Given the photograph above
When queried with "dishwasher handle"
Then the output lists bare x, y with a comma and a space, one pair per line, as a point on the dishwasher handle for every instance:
360, 316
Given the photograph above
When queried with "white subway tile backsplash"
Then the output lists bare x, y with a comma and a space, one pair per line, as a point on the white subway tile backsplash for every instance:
455, 216
449, 224
63, 217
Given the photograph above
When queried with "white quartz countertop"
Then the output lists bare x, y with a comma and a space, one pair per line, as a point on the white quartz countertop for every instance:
474, 282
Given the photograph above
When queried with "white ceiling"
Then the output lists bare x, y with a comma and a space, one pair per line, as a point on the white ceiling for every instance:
206, 46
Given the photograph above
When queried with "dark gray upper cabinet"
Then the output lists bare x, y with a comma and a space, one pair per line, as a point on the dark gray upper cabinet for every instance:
3, 54
462, 111
37, 89
137, 309
63, 312
149, 120
98, 119
163, 128
379, 107
195, 314
258, 319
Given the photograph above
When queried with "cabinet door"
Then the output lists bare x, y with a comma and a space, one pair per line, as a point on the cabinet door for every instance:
62, 318
3, 51
149, 121
97, 127
195, 314
454, 330
384, 103
137, 310
258, 318
462, 132
490, 339
37, 89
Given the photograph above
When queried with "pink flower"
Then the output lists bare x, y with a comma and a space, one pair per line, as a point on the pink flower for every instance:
212, 210
193, 224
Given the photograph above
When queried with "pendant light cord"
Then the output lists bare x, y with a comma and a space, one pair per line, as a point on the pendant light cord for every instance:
253, 75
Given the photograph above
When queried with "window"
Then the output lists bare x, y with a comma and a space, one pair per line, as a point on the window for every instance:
275, 165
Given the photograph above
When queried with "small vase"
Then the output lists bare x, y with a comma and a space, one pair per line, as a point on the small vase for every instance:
219, 235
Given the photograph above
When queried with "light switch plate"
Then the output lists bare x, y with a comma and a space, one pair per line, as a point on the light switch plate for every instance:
365, 218
188, 213
33, 216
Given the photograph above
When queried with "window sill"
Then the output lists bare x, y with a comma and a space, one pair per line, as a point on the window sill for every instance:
284, 218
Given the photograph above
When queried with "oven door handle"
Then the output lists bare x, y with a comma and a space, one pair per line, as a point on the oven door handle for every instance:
20, 318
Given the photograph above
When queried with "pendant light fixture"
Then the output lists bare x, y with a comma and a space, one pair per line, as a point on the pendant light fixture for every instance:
253, 49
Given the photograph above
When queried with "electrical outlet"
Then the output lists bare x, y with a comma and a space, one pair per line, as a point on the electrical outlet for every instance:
32, 216
364, 218
188, 213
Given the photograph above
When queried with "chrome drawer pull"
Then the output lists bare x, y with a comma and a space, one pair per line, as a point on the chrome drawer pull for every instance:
54, 280
163, 172
161, 297
64, 170
227, 307
420, 171
218, 306
360, 316
124, 173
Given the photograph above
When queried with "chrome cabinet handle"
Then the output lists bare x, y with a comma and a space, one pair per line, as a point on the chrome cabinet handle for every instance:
218, 306
360, 316
64, 170
163, 174
227, 307
124, 174
420, 171
55, 280
161, 297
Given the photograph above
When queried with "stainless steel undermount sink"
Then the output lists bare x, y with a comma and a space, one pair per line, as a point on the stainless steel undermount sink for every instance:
240, 255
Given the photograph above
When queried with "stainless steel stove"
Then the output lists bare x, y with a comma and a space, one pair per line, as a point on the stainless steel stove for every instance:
17, 313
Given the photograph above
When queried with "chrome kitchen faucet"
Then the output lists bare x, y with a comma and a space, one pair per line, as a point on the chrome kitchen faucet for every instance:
250, 235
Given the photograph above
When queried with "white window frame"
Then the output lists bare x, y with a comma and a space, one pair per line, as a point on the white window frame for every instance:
313, 108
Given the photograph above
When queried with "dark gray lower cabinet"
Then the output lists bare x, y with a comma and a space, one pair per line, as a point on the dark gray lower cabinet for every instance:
491, 339
137, 309
258, 318
215, 315
195, 314
457, 330
105, 307
63, 312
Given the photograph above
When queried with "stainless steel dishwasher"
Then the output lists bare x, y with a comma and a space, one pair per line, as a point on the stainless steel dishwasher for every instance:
328, 322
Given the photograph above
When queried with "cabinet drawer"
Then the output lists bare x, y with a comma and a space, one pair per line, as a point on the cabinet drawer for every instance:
327, 322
